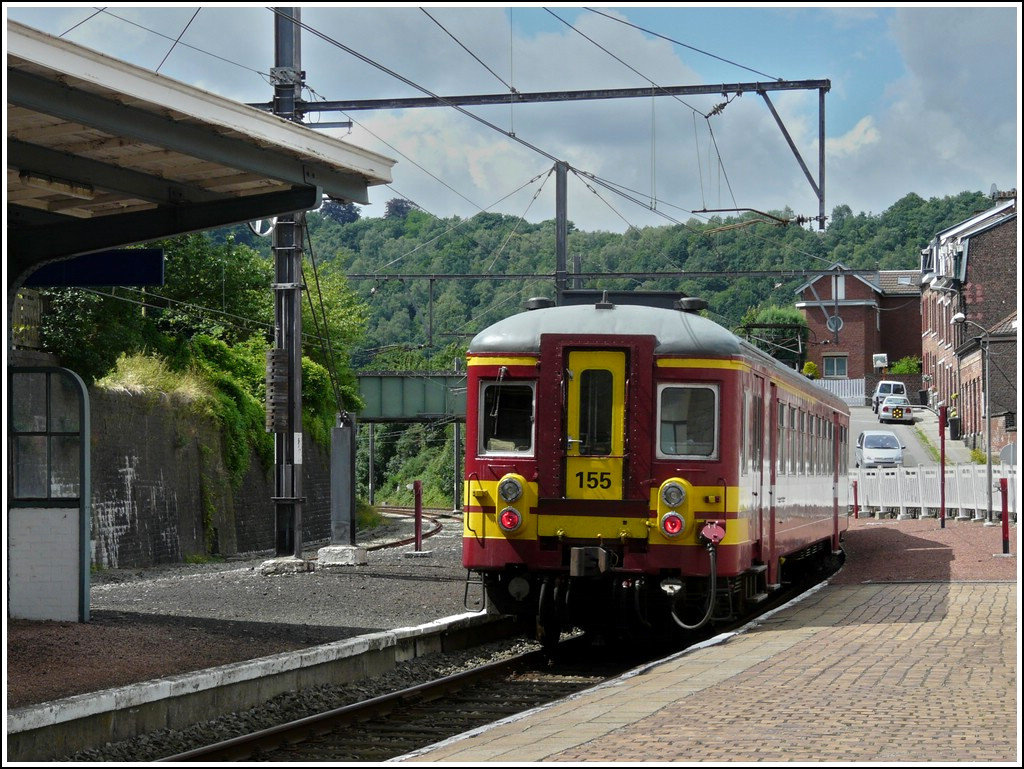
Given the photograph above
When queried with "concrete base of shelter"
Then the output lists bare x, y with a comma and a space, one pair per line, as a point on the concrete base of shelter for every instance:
337, 556
286, 565
418, 553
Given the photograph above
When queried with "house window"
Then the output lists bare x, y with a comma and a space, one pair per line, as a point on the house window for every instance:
839, 287
834, 366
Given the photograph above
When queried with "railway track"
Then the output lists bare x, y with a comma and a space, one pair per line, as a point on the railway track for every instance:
396, 724
432, 524
405, 721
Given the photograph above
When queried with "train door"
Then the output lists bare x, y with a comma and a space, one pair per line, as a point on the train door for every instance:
757, 433
772, 440
595, 424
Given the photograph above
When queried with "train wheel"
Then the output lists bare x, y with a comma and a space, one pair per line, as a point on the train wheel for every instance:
549, 614
549, 631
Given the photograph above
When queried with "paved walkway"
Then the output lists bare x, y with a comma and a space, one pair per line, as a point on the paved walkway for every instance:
851, 673
928, 425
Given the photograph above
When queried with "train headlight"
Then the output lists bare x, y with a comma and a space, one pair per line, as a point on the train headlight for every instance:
672, 524
509, 519
673, 494
510, 489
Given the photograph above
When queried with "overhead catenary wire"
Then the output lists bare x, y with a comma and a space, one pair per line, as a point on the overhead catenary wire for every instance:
106, 11
631, 68
462, 45
230, 319
521, 219
328, 350
369, 61
614, 188
441, 100
684, 45
177, 40
654, 85
422, 89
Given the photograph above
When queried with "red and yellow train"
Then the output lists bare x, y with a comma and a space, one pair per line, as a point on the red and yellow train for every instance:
639, 468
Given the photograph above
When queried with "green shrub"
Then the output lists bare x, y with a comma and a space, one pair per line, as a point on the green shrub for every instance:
908, 365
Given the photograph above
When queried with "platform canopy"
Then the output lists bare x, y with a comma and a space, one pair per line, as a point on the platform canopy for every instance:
102, 154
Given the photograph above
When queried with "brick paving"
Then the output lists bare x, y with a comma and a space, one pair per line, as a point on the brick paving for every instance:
899, 672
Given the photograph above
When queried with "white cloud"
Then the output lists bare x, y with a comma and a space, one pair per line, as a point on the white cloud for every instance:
863, 135
927, 104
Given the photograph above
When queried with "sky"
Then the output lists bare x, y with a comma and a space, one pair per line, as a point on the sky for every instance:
922, 99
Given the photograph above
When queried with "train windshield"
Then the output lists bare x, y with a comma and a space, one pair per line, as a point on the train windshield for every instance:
507, 418
688, 421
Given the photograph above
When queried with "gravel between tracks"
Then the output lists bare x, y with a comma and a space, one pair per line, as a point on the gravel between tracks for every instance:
226, 612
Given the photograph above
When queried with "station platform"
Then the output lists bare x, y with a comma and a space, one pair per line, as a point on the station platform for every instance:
856, 671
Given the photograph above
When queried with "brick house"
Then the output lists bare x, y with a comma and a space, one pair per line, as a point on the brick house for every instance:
1002, 346
971, 268
855, 315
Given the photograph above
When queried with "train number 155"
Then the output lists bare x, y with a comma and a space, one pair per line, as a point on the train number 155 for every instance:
594, 480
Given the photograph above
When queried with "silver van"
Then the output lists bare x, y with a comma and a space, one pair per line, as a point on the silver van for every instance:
884, 389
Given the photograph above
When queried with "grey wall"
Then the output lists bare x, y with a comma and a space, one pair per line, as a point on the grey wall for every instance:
161, 491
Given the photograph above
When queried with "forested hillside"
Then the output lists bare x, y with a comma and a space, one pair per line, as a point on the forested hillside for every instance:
407, 290
434, 312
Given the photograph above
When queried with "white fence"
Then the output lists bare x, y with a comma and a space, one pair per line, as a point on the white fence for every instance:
850, 390
915, 492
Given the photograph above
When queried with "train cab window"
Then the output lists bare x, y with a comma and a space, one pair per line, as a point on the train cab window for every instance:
688, 421
507, 418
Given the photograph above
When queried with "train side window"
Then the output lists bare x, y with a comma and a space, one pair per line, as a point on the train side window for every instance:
688, 421
780, 440
798, 458
506, 419
793, 456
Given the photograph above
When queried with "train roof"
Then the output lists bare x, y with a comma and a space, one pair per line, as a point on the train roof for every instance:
675, 332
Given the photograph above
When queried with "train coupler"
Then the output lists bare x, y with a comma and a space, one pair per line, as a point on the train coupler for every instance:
589, 562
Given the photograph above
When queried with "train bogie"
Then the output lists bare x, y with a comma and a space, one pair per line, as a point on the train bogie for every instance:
636, 467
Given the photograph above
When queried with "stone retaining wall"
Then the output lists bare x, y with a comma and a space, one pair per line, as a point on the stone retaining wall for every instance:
161, 492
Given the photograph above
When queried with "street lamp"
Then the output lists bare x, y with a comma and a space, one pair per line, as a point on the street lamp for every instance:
957, 319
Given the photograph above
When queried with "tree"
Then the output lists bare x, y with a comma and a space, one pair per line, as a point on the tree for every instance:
342, 213
398, 208
781, 332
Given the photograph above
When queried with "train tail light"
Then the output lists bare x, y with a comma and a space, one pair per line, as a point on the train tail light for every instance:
672, 524
509, 519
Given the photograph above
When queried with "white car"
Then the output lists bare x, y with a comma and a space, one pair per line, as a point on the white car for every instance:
896, 408
884, 389
878, 448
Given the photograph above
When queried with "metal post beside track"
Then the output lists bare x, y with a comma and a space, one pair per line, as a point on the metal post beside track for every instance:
1006, 516
942, 467
417, 492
